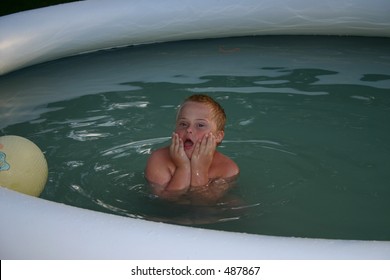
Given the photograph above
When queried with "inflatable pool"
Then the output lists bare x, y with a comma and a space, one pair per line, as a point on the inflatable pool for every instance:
34, 228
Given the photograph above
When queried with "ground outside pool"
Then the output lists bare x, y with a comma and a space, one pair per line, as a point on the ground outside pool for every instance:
307, 124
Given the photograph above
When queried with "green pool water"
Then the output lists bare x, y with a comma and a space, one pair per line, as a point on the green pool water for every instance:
308, 124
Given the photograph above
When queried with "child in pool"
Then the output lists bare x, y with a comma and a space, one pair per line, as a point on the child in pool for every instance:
191, 169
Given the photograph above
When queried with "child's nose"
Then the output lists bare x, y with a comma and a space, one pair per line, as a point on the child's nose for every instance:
189, 129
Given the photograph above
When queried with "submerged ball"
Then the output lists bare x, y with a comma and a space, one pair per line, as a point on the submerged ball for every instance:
23, 166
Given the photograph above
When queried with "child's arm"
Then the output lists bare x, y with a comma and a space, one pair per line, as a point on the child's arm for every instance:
201, 160
181, 178
166, 183
204, 190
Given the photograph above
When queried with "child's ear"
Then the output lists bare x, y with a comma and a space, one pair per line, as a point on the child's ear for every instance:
219, 136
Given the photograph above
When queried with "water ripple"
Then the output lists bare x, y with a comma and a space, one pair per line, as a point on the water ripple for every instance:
84, 135
141, 146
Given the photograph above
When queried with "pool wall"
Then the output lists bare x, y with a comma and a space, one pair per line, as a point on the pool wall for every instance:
41, 35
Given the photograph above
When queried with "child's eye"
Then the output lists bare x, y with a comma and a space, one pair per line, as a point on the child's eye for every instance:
182, 124
201, 125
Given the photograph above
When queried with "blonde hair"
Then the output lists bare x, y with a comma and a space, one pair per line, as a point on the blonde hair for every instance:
219, 115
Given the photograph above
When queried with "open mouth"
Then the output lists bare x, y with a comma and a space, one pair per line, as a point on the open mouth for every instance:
188, 144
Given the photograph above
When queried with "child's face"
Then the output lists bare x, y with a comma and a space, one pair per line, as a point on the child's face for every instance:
193, 122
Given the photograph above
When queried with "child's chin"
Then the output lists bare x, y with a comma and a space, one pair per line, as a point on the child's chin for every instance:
189, 153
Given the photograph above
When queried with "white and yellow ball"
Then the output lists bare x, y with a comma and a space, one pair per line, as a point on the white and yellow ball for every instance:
23, 166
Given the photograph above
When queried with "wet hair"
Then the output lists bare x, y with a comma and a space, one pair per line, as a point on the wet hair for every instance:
219, 115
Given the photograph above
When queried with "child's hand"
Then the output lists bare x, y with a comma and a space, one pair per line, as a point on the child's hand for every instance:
202, 157
177, 152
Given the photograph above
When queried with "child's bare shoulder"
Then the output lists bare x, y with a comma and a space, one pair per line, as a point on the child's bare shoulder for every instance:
226, 166
158, 158
160, 154
159, 166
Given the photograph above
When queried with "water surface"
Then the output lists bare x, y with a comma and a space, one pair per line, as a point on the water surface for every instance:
308, 124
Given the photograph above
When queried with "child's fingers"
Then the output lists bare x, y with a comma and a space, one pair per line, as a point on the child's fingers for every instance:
211, 140
203, 144
197, 147
180, 144
208, 143
175, 143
